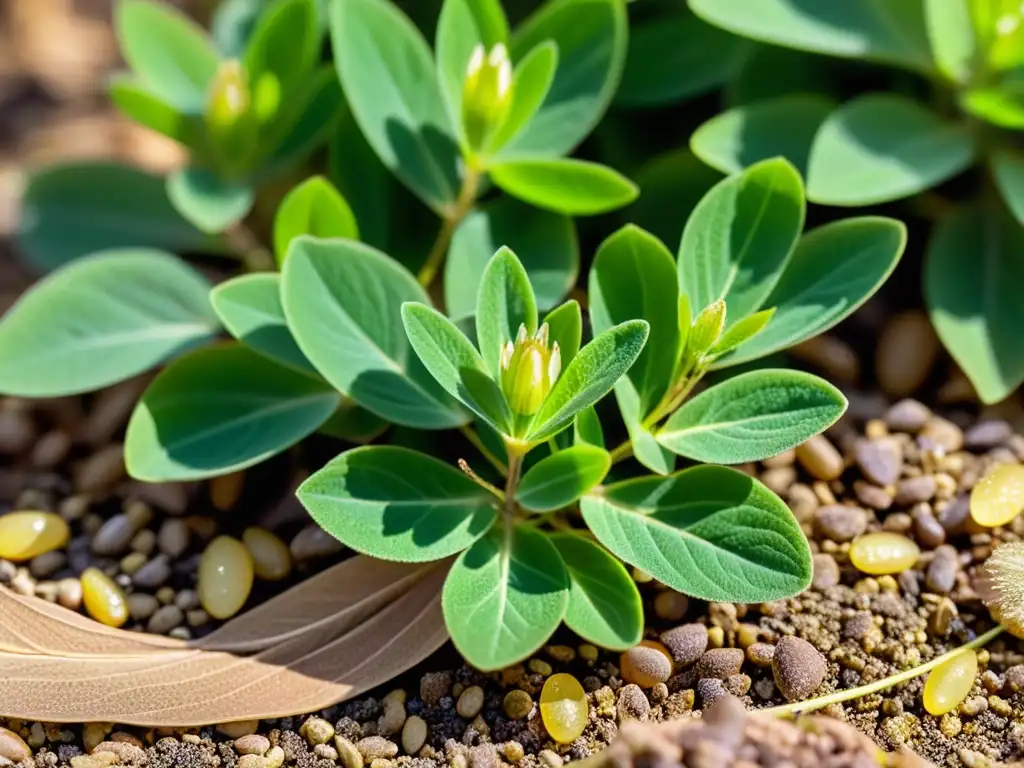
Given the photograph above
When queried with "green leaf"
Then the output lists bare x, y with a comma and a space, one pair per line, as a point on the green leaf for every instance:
738, 241
565, 325
589, 377
545, 242
633, 276
319, 107
143, 106
591, 38
397, 504
884, 30
1001, 105
68, 211
531, 82
170, 53
574, 187
102, 319
752, 417
604, 603
973, 272
587, 428
232, 24
212, 204
221, 409
880, 147
462, 25
388, 75
314, 208
283, 49
362, 180
354, 424
671, 185
674, 57
343, 301
769, 73
250, 308
950, 33
456, 365
505, 596
558, 480
505, 302
780, 127
742, 332
1008, 174
709, 532
834, 269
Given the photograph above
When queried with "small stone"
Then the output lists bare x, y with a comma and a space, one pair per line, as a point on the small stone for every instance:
187, 599
798, 668
172, 538
871, 495
225, 490
512, 751
275, 757
950, 725
953, 515
141, 606
1015, 678
393, 719
820, 458
913, 490
549, 759
710, 689
907, 416
27, 534
686, 643
225, 577
632, 704
941, 574
539, 667
251, 761
987, 434
879, 460
95, 760
941, 433
470, 702
840, 523
905, 353
414, 734
13, 747
373, 747
69, 593
737, 685
927, 529
144, 542
104, 600
314, 542
517, 704
826, 571
47, 564
153, 574
131, 562
434, 686
563, 654
316, 730
165, 619
942, 617
761, 654
236, 729
719, 663
114, 537
350, 756
252, 744
270, 556
645, 664
101, 471
671, 605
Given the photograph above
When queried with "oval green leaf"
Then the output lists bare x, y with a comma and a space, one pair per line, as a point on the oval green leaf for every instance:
604, 603
283, 48
504, 303
102, 319
752, 417
950, 32
343, 301
397, 504
221, 409
1008, 174
212, 204
505, 596
558, 480
314, 208
565, 324
834, 269
880, 147
531, 82
573, 187
143, 106
710, 532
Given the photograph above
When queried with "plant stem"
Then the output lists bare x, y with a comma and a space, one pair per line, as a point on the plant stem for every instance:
671, 400
452, 218
799, 707
468, 470
248, 247
471, 435
515, 466
622, 451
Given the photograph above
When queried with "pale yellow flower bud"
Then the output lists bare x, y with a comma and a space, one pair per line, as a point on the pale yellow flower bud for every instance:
486, 93
529, 369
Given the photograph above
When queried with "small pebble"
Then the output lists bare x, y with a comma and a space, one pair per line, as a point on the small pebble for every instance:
840, 523
720, 663
871, 495
114, 537
252, 744
165, 619
686, 643
69, 593
996, 499
144, 542
47, 564
225, 490
710, 689
50, 450
737, 685
943, 434
13, 747
826, 571
172, 538
225, 577
314, 542
414, 734
646, 664
470, 702
798, 668
913, 490
987, 434
434, 686
907, 416
270, 556
632, 704
950, 682
101, 471
563, 708
955, 514
761, 654
517, 704
941, 574
350, 756
905, 353
373, 747
879, 460
671, 605
820, 458
883, 552
316, 730
141, 606
927, 529
549, 759
131, 562
28, 534
103, 599
153, 574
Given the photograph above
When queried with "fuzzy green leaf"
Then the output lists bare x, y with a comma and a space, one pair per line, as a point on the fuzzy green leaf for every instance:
565, 324
210, 203
505, 302
738, 241
531, 81
558, 480
574, 187
587, 428
102, 319
753, 416
880, 147
604, 602
742, 332
834, 269
710, 532
398, 504
1008, 173
951, 35
343, 301
505, 596
316, 208
138, 102
221, 409
319, 105
284, 48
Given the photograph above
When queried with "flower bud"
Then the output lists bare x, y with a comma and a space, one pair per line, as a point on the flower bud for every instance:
230, 122
529, 369
486, 93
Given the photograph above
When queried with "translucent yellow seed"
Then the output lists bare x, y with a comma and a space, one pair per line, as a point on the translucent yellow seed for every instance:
999, 496
225, 577
882, 553
103, 599
271, 559
949, 683
563, 708
27, 534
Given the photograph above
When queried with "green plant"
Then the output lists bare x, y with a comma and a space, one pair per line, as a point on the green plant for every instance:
956, 105
495, 412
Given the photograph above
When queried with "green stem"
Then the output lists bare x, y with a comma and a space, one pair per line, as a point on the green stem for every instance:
452, 218
799, 707
471, 435
468, 471
671, 400
622, 451
515, 466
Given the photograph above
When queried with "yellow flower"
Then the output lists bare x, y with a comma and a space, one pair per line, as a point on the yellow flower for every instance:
529, 369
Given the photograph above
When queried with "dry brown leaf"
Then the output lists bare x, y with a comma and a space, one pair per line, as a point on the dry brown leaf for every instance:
346, 630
